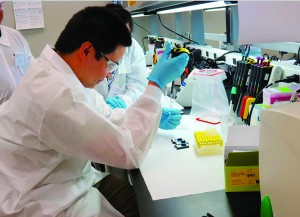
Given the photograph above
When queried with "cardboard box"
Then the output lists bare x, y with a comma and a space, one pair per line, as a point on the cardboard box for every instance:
242, 172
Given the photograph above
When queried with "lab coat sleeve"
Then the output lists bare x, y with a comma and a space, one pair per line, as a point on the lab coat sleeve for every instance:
104, 109
75, 129
101, 106
136, 79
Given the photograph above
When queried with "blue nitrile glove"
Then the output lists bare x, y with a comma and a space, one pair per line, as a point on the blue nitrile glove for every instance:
168, 70
170, 119
115, 102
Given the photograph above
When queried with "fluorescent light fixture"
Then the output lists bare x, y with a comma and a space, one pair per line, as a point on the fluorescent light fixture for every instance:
194, 7
143, 14
214, 9
138, 15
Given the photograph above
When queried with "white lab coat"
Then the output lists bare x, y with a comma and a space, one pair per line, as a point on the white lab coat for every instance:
50, 131
15, 56
130, 79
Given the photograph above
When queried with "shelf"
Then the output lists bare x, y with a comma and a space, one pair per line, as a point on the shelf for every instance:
215, 37
291, 47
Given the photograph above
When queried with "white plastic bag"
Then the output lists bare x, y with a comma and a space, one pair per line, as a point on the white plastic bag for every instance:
209, 96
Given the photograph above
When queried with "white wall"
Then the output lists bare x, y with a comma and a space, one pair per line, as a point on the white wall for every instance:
214, 22
56, 16
138, 33
57, 13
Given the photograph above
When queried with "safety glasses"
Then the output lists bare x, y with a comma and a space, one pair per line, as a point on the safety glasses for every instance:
111, 65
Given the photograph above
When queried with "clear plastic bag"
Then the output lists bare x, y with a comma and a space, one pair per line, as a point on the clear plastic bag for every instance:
209, 96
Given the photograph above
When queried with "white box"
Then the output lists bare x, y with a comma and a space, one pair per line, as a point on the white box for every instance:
279, 158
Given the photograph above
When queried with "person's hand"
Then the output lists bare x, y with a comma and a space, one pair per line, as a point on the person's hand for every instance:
170, 119
115, 102
167, 70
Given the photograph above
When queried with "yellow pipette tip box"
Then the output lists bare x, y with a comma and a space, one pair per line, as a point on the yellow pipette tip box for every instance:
208, 142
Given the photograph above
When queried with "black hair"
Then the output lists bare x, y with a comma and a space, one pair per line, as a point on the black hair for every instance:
123, 13
98, 25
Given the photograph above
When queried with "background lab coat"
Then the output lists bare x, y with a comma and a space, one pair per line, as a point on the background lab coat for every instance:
51, 128
130, 79
12, 42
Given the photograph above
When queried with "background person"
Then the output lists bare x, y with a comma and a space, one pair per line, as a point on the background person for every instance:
53, 126
15, 56
127, 83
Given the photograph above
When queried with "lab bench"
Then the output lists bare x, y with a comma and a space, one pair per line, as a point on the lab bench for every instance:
217, 203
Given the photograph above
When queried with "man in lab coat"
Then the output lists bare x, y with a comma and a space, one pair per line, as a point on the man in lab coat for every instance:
126, 84
15, 56
53, 126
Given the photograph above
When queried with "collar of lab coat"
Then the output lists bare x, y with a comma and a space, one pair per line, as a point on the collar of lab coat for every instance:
4, 40
60, 65
57, 62
124, 67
